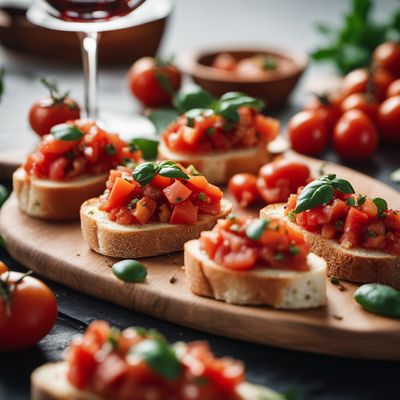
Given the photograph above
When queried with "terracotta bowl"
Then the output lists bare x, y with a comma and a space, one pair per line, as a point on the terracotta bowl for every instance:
121, 46
274, 87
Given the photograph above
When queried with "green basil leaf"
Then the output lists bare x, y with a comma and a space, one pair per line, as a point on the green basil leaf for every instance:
379, 299
173, 171
229, 103
343, 186
162, 117
256, 228
316, 193
160, 357
148, 147
3, 194
231, 95
381, 204
192, 97
110, 149
130, 271
66, 132
144, 173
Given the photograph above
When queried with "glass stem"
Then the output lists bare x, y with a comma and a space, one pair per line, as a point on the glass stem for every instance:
89, 42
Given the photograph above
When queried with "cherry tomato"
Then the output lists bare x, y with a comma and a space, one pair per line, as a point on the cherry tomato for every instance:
308, 133
3, 267
153, 82
328, 108
53, 110
360, 80
394, 88
355, 137
244, 188
278, 179
31, 314
389, 119
44, 114
224, 61
364, 102
387, 56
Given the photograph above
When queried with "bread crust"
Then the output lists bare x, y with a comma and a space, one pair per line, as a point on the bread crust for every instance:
114, 240
354, 265
218, 168
55, 201
262, 286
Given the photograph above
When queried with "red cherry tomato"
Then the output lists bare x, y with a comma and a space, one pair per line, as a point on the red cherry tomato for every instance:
31, 314
308, 133
364, 102
46, 113
153, 83
394, 88
328, 108
360, 80
355, 137
224, 61
279, 178
389, 119
244, 188
387, 56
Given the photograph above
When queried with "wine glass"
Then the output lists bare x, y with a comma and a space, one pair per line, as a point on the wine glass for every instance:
89, 18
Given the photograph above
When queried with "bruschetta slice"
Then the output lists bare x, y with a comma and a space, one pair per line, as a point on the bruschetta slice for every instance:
151, 210
256, 262
222, 141
139, 364
70, 165
357, 235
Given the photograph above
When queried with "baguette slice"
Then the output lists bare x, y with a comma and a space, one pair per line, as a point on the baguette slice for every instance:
278, 288
49, 382
218, 168
355, 264
56, 201
111, 239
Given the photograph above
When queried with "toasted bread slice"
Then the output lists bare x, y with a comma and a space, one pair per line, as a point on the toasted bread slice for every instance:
56, 201
218, 168
49, 382
278, 288
111, 239
355, 264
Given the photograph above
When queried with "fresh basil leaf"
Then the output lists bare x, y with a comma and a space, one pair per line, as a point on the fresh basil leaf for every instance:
173, 172
192, 97
256, 228
381, 204
361, 199
227, 107
66, 132
162, 117
343, 186
148, 147
316, 193
379, 299
231, 95
160, 357
144, 173
351, 201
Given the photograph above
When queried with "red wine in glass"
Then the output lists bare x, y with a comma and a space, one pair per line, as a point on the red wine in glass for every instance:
91, 10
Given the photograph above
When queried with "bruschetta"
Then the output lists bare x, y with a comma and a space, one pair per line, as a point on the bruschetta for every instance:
151, 210
357, 235
256, 262
229, 138
70, 165
139, 364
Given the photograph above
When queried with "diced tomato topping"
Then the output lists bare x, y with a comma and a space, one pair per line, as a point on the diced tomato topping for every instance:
120, 191
268, 127
161, 181
145, 208
184, 213
177, 192
57, 169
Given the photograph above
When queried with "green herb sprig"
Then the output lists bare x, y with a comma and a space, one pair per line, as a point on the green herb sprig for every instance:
320, 192
146, 172
66, 132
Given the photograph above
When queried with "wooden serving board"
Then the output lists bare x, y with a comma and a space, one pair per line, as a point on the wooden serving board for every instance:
57, 251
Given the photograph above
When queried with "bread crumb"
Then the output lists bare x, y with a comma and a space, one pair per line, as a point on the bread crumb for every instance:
172, 280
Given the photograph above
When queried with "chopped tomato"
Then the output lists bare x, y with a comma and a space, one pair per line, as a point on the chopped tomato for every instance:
57, 169
145, 208
184, 213
200, 184
177, 192
268, 127
161, 181
53, 146
121, 190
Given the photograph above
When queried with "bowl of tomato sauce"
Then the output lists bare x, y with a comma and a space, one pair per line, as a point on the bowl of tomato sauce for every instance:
269, 74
